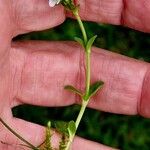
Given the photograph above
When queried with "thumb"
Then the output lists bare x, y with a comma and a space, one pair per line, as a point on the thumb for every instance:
33, 15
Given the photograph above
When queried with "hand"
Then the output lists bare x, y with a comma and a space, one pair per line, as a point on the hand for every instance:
29, 70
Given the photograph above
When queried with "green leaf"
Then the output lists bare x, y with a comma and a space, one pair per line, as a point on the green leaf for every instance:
90, 42
49, 124
71, 128
63, 143
66, 128
80, 41
62, 127
73, 89
95, 87
48, 145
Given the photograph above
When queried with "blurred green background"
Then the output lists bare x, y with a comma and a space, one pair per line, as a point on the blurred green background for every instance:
120, 131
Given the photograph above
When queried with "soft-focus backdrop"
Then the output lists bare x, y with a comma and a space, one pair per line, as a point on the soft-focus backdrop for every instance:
120, 131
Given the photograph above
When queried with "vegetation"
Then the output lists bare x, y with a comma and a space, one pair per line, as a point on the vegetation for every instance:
124, 132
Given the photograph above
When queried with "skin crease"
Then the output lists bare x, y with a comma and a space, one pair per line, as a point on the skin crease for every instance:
27, 68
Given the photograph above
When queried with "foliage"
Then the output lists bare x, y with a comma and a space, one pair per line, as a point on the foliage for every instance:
124, 132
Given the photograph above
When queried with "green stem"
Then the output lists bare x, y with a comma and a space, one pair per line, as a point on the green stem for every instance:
87, 51
17, 135
85, 100
76, 14
78, 120
80, 115
88, 71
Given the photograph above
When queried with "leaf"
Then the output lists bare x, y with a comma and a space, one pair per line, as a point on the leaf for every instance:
80, 41
49, 125
73, 89
71, 128
62, 127
48, 145
90, 42
63, 142
95, 87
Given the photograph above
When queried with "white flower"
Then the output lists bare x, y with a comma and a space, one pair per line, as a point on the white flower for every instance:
52, 3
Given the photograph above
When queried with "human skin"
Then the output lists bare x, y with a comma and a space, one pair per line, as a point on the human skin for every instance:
36, 72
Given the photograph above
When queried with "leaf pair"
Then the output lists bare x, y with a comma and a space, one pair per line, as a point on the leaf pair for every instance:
94, 88
87, 45
66, 128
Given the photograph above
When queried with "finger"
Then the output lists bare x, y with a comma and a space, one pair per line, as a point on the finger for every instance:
35, 134
44, 68
82, 144
133, 13
5, 32
33, 15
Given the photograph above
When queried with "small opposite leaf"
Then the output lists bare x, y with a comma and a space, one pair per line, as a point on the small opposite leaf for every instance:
80, 41
63, 142
49, 124
47, 144
95, 87
73, 89
71, 128
62, 127
90, 42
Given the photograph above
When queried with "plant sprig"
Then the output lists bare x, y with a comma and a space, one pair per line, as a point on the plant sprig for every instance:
90, 89
68, 130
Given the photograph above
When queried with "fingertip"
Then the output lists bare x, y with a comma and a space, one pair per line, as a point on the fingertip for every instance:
144, 101
101, 11
36, 15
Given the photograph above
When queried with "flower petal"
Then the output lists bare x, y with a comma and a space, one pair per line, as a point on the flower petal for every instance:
52, 3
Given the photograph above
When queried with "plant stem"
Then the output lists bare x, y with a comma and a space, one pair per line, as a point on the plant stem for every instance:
88, 71
17, 135
80, 115
87, 51
84, 101
76, 14
87, 81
